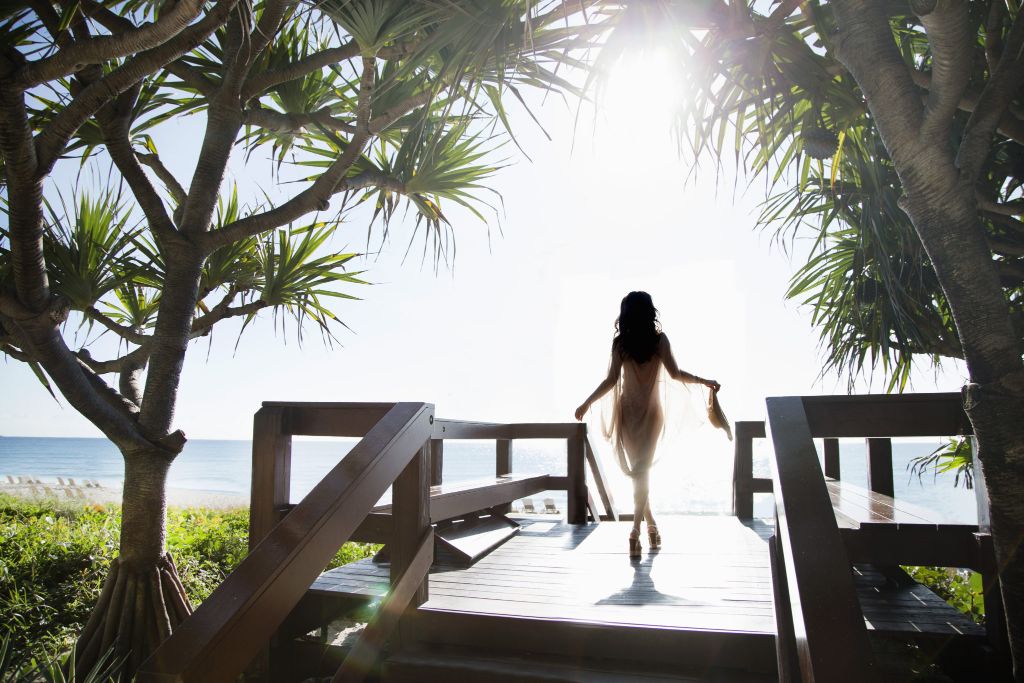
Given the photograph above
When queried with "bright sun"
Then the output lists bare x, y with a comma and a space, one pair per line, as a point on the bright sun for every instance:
641, 92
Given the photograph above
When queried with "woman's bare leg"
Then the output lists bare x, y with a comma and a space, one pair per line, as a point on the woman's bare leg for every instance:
641, 493
649, 516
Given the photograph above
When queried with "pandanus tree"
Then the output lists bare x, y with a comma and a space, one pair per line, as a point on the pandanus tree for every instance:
358, 101
893, 133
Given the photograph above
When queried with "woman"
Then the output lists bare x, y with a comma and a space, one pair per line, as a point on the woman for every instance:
639, 351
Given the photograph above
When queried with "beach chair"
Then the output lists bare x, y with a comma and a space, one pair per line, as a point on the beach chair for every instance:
34, 490
96, 484
549, 506
10, 479
528, 506
60, 480
68, 492
79, 493
71, 482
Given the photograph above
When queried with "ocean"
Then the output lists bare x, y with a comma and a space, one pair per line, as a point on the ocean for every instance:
680, 485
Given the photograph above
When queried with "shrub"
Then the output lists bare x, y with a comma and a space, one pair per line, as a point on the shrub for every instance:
960, 588
54, 556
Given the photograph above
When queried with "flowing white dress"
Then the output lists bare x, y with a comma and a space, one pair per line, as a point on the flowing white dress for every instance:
634, 420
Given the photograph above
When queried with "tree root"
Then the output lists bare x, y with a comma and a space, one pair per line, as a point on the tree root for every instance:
138, 608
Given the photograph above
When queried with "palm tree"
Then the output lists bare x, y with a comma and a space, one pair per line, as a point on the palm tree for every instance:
895, 131
375, 101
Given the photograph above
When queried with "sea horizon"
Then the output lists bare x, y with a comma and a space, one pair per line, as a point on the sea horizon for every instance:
223, 466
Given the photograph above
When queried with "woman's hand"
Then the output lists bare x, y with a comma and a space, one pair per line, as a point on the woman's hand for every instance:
581, 411
712, 384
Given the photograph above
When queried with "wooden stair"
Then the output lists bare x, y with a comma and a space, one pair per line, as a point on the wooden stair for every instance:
468, 666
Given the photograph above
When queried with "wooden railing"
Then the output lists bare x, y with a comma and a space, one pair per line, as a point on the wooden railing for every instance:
816, 597
579, 455
290, 544
237, 621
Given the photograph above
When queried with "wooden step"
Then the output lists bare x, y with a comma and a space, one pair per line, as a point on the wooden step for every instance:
502, 635
468, 667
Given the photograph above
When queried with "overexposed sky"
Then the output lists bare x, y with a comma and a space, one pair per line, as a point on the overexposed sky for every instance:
521, 329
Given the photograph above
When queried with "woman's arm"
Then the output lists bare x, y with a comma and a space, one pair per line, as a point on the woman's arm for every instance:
665, 352
604, 387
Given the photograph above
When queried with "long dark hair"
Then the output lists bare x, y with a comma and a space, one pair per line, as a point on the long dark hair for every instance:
637, 327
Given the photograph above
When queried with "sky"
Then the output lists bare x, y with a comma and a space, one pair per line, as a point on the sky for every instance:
520, 327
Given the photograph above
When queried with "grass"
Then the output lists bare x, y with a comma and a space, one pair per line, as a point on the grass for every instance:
54, 556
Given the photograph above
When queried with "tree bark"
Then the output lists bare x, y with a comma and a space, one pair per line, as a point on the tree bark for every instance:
942, 205
142, 600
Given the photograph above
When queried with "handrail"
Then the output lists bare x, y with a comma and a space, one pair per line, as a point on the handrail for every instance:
465, 429
876, 417
235, 623
601, 482
366, 650
827, 623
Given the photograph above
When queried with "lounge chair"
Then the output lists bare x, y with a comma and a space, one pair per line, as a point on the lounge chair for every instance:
549, 506
96, 484
528, 506
71, 482
60, 480
10, 479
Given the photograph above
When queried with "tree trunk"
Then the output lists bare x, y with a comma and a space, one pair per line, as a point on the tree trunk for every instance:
941, 204
142, 600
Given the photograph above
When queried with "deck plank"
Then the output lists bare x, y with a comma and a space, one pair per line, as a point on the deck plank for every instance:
711, 574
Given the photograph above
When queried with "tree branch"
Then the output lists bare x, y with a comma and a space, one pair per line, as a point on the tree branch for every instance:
1014, 208
115, 22
950, 38
1010, 125
103, 367
1000, 90
51, 20
51, 141
115, 122
15, 353
123, 331
259, 83
164, 174
202, 325
388, 117
279, 122
319, 193
994, 34
99, 49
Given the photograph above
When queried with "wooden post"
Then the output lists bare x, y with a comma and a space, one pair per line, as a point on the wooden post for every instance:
880, 466
995, 617
742, 473
503, 465
743, 467
411, 511
577, 476
832, 458
436, 462
271, 472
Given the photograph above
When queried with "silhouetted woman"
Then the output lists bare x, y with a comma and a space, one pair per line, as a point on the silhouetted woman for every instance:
639, 351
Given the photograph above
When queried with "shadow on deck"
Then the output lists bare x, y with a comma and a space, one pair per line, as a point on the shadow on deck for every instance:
562, 596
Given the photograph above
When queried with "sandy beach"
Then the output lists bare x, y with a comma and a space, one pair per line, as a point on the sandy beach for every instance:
90, 491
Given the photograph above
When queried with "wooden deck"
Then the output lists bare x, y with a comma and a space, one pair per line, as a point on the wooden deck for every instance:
704, 599
711, 574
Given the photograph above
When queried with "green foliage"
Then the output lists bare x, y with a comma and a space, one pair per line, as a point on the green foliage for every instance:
960, 588
766, 93
955, 456
46, 667
54, 556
